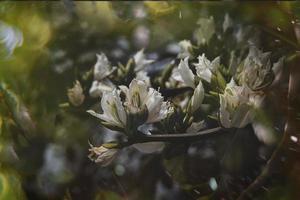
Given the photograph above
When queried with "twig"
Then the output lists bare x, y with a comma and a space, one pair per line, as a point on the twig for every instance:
184, 137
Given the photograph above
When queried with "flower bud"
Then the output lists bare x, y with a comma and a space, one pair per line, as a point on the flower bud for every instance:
102, 155
256, 71
75, 94
185, 49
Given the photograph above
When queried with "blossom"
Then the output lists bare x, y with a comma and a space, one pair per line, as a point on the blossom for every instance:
197, 98
98, 87
204, 67
139, 97
140, 61
255, 69
185, 49
235, 108
140, 101
186, 73
102, 155
113, 110
102, 68
75, 94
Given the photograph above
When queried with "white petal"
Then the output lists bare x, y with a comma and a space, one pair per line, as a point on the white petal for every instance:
204, 67
197, 97
120, 108
224, 114
113, 110
94, 113
102, 67
263, 133
186, 73
242, 116
149, 147
98, 88
140, 61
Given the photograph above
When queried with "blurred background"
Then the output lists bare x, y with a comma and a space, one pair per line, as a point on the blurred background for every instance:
46, 46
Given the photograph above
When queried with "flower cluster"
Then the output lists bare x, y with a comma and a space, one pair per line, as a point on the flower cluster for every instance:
189, 92
141, 105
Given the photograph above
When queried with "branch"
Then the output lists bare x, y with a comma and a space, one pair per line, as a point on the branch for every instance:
184, 137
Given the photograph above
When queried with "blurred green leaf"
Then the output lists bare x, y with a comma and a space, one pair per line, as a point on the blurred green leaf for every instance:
10, 186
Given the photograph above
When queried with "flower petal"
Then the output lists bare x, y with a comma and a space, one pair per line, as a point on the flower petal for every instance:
186, 73
197, 97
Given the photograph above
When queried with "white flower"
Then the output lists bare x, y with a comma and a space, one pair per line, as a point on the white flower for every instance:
186, 73
235, 108
140, 61
139, 99
102, 68
205, 31
102, 155
256, 68
75, 94
197, 97
98, 87
113, 110
139, 96
185, 48
204, 67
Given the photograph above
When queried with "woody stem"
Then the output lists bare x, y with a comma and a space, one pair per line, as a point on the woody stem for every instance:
184, 137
